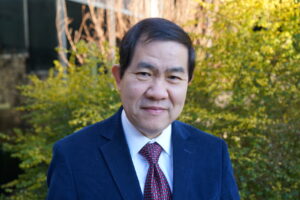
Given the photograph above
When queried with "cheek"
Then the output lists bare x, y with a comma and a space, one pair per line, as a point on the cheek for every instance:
132, 92
179, 95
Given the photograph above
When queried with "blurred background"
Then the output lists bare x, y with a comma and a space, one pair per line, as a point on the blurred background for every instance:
55, 60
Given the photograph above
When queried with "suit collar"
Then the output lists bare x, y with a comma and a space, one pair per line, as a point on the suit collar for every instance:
117, 157
182, 161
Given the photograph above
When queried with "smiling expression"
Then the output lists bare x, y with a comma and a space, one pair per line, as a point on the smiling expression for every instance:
154, 86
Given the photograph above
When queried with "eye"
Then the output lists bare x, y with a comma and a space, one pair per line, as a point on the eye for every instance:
143, 75
174, 78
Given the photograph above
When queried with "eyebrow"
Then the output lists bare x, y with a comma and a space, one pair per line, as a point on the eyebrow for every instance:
153, 67
176, 69
145, 65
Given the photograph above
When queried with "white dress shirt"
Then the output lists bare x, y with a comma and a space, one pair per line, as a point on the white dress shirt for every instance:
136, 141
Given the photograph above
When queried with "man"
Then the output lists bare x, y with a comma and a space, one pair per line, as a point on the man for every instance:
142, 152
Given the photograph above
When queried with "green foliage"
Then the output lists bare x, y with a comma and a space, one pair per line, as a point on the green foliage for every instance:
247, 91
70, 98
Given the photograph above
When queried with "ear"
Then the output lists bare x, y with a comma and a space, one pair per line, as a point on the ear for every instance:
116, 72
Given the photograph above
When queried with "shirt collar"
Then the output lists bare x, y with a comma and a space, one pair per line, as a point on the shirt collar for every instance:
136, 140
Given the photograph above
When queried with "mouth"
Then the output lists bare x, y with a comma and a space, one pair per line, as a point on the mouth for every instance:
154, 110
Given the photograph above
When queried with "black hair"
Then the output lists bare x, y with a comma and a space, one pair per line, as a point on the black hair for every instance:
154, 29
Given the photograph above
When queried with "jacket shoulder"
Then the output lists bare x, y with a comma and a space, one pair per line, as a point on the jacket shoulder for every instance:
194, 133
90, 134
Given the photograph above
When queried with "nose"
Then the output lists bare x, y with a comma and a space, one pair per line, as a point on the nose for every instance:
157, 90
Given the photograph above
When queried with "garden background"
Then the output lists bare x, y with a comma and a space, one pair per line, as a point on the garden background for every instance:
246, 89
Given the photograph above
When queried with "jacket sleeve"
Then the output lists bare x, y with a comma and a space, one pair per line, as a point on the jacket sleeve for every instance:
60, 179
229, 189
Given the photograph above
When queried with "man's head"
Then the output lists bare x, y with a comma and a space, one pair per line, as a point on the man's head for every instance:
154, 29
156, 65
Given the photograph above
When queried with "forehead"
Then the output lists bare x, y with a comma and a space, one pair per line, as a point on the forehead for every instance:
161, 53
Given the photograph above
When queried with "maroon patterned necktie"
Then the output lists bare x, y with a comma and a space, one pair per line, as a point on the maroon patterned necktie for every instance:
156, 185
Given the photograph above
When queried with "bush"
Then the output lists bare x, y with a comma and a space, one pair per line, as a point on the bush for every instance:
70, 98
247, 91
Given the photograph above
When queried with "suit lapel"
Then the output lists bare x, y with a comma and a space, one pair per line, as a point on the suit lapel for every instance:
117, 156
182, 162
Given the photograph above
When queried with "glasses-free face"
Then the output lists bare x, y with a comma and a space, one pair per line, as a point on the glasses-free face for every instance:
154, 86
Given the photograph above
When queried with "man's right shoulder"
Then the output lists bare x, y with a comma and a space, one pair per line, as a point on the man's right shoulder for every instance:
90, 134
80, 135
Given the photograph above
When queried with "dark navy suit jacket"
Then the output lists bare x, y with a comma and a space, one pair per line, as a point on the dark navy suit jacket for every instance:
95, 164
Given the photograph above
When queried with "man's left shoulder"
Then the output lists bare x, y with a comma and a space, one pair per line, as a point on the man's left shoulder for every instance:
194, 133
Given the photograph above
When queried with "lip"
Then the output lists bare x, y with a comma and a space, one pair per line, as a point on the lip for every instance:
154, 109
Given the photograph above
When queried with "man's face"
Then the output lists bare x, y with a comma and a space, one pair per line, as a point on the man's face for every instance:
154, 86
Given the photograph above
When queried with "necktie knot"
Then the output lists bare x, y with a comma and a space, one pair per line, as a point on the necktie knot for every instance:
151, 152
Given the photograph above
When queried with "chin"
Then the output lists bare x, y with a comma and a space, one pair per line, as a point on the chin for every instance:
152, 131
151, 135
